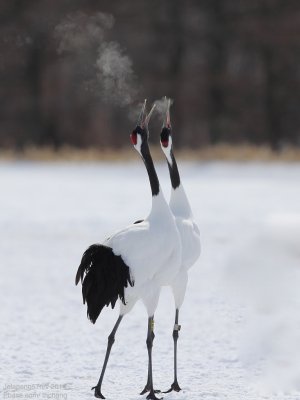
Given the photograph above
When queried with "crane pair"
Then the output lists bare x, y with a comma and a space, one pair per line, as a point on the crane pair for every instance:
135, 262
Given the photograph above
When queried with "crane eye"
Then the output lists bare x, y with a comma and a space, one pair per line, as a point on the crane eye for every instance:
133, 138
165, 143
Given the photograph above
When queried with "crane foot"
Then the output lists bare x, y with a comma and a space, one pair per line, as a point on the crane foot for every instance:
147, 389
174, 387
151, 396
98, 393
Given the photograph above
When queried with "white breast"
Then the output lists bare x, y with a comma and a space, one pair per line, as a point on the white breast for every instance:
190, 240
151, 249
187, 227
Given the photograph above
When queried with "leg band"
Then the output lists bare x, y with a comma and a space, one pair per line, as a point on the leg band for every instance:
152, 325
177, 327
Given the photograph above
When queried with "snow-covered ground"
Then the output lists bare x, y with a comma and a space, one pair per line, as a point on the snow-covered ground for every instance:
240, 337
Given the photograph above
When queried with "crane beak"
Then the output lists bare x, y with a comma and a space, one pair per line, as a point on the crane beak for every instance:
141, 116
167, 121
147, 119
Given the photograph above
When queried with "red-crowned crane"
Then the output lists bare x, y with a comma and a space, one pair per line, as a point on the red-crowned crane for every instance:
134, 262
188, 230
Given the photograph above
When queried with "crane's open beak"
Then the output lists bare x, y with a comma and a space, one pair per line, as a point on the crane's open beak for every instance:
142, 113
147, 119
167, 120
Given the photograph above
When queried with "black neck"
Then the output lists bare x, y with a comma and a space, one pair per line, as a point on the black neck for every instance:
154, 182
174, 174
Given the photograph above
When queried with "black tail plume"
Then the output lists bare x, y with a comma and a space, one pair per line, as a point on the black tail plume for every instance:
104, 277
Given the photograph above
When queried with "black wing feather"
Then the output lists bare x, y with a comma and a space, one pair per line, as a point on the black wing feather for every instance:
104, 277
138, 221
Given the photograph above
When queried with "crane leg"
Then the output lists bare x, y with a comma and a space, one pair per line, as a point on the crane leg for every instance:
175, 386
149, 342
111, 340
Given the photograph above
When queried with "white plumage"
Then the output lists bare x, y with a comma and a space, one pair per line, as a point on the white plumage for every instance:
145, 254
151, 249
188, 231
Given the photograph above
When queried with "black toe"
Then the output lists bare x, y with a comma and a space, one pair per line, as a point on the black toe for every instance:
151, 396
98, 393
147, 389
174, 387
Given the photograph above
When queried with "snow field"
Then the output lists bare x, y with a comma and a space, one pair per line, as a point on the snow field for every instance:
240, 319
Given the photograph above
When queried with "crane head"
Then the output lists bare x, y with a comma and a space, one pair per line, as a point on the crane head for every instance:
166, 132
140, 133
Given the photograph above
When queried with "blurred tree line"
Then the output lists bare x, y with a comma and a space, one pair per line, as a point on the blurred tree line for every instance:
231, 66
